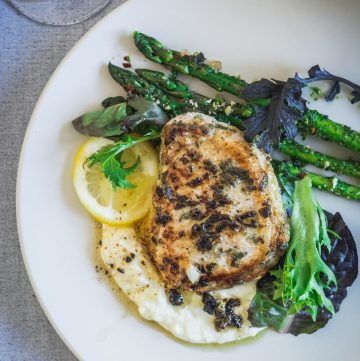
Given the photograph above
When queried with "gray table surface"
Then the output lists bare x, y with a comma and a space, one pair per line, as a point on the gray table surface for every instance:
29, 53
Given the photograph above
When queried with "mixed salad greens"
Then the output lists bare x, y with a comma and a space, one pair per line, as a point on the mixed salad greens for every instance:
310, 282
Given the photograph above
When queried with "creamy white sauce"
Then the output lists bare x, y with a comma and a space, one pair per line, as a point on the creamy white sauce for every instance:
140, 281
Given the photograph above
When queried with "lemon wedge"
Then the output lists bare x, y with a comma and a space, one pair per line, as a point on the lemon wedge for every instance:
120, 207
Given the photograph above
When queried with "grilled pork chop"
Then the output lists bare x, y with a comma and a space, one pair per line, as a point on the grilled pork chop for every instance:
217, 217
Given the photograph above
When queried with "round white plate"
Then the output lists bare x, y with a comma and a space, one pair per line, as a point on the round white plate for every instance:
254, 38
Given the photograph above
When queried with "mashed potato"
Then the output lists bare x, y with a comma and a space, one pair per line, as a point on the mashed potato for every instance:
137, 277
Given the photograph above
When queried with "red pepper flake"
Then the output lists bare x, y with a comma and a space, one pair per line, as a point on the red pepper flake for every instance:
126, 65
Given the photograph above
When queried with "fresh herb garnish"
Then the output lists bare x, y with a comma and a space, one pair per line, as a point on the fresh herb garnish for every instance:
304, 277
283, 112
286, 107
109, 158
316, 74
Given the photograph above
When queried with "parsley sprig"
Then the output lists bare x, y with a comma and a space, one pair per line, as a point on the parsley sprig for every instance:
109, 159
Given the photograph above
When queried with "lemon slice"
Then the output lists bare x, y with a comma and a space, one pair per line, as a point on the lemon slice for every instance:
121, 207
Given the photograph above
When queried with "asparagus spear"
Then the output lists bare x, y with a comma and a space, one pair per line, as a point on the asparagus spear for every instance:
296, 150
321, 126
177, 88
290, 147
134, 84
188, 64
329, 184
313, 122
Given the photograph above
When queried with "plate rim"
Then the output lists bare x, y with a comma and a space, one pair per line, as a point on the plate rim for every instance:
18, 192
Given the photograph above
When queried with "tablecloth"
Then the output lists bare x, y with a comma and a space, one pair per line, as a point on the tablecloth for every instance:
29, 54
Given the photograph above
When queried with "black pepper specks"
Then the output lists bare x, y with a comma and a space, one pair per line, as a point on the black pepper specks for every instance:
129, 258
175, 297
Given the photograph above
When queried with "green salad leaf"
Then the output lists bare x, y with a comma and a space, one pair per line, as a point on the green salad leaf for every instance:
304, 277
264, 311
135, 114
105, 122
109, 158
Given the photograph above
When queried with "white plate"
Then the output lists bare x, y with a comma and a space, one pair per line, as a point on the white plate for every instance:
254, 38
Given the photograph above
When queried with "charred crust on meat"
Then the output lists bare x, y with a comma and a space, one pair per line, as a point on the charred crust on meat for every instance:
245, 215
206, 269
194, 155
159, 192
175, 297
171, 264
174, 178
209, 231
171, 135
265, 211
197, 181
162, 218
205, 242
219, 198
184, 160
251, 223
247, 219
209, 166
183, 201
197, 215
181, 234
168, 233
203, 282
195, 229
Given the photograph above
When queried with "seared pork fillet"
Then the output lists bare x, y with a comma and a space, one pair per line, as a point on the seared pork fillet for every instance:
217, 217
